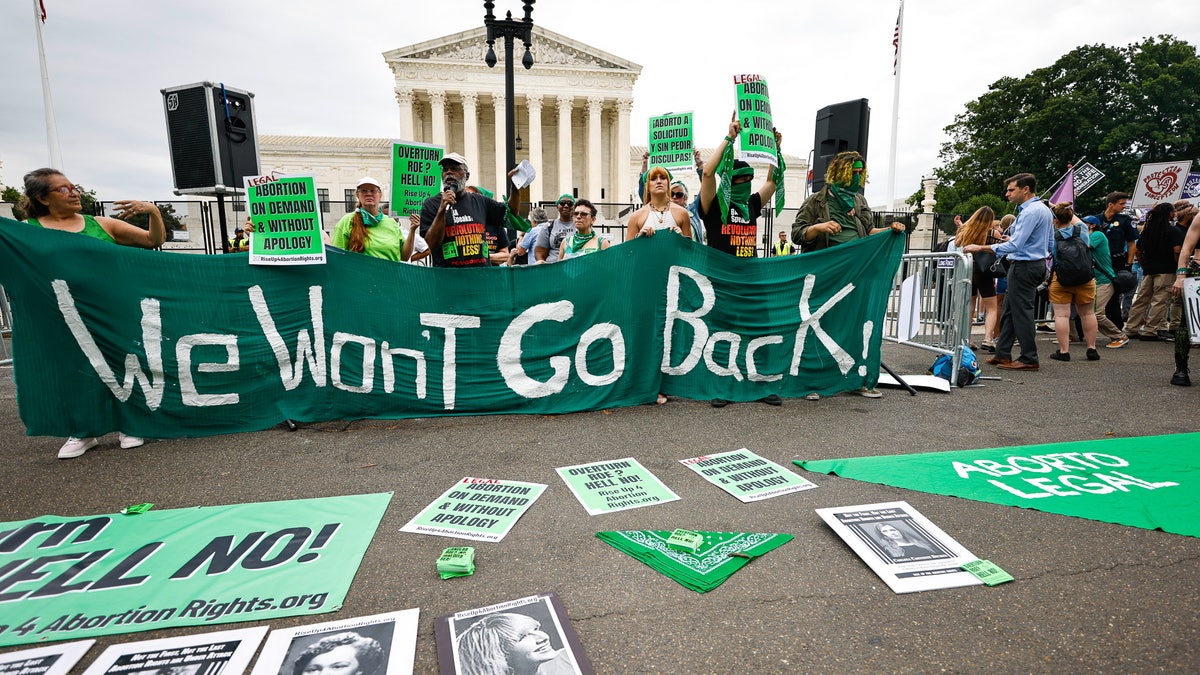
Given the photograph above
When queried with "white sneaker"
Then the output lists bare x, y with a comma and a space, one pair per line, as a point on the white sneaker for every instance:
870, 393
128, 442
75, 447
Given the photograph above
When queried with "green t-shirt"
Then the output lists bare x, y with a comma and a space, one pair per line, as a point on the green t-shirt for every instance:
1101, 260
383, 241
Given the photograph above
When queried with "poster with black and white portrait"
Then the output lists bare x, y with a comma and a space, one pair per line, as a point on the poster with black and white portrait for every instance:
902, 546
227, 652
528, 636
380, 644
52, 660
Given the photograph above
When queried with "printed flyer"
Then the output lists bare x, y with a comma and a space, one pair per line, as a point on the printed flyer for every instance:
483, 509
616, 485
381, 644
528, 635
747, 476
203, 654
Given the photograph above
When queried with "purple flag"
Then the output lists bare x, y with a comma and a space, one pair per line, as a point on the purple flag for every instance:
1065, 191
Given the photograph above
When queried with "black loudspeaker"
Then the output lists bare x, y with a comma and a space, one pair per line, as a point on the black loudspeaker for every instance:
212, 137
840, 127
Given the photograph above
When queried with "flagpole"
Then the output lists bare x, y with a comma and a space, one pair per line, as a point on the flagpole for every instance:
891, 191
1050, 190
47, 101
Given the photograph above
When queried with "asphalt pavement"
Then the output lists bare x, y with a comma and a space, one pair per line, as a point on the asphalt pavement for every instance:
1088, 595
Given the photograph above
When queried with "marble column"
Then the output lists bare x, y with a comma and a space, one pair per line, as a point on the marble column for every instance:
564, 144
470, 102
404, 99
595, 104
621, 187
437, 105
501, 148
534, 104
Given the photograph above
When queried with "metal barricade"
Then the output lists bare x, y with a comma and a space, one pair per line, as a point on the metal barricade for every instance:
5, 329
930, 305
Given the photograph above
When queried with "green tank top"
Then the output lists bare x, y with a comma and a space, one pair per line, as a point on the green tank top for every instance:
91, 228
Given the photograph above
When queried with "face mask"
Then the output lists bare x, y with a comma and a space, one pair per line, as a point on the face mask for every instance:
741, 193
856, 182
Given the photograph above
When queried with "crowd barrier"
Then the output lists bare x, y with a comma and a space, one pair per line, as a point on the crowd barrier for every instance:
5, 328
930, 305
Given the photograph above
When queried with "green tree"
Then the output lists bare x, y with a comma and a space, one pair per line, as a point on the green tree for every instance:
169, 217
1116, 107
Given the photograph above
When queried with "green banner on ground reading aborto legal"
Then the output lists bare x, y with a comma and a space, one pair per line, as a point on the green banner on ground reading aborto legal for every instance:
670, 142
69, 578
757, 140
287, 220
416, 176
483, 509
166, 345
615, 485
747, 476
1152, 482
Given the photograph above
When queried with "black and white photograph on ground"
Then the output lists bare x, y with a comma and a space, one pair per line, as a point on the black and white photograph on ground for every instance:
380, 644
901, 545
528, 636
55, 659
225, 652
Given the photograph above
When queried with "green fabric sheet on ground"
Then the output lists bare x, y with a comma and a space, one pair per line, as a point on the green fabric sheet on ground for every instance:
703, 571
1152, 482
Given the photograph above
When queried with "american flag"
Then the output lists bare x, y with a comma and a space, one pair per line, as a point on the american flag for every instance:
896, 41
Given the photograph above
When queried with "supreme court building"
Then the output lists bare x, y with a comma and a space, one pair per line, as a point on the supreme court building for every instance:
572, 114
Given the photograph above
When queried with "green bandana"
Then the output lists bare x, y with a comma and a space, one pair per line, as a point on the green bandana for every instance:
725, 178
368, 219
703, 570
777, 176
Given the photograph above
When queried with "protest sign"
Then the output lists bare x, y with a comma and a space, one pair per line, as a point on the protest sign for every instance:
222, 652
747, 476
467, 639
906, 550
604, 487
670, 142
1152, 482
68, 578
1086, 176
483, 509
175, 345
52, 660
389, 640
416, 176
1159, 182
757, 140
287, 220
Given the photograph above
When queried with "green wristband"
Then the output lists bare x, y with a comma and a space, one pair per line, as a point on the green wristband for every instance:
729, 138
1181, 270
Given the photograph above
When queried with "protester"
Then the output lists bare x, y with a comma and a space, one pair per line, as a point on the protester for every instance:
367, 229
521, 255
510, 644
454, 223
659, 212
1002, 283
1184, 212
732, 226
52, 202
549, 241
981, 228
1071, 232
1027, 248
342, 654
1105, 276
1122, 245
838, 213
583, 240
679, 195
1158, 249
1187, 265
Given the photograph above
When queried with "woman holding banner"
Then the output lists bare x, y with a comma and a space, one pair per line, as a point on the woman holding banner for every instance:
584, 240
367, 229
659, 212
52, 202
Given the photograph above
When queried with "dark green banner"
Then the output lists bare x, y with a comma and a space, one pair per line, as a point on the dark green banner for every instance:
1152, 482
164, 345
71, 578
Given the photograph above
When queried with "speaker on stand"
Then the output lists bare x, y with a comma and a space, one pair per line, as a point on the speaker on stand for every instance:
841, 127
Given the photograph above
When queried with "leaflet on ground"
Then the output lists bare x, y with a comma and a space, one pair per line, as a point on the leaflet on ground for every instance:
747, 476
226, 651
615, 485
386, 642
528, 635
483, 509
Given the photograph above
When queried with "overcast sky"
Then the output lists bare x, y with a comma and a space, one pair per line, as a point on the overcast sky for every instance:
316, 67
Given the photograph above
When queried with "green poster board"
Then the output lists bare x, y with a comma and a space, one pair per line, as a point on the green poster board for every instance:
416, 176
483, 509
670, 142
747, 476
616, 485
69, 578
287, 221
757, 140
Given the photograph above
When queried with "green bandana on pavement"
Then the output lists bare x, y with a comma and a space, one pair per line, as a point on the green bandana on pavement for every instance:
703, 571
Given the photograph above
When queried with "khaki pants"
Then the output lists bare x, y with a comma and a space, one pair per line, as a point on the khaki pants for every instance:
1149, 309
1108, 329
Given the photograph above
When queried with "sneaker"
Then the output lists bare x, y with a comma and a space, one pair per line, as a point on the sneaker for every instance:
1092, 354
870, 393
1148, 338
988, 346
812, 396
1118, 343
75, 447
1059, 356
773, 399
719, 403
128, 442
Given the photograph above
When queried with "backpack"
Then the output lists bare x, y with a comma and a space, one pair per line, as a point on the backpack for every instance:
1073, 259
969, 371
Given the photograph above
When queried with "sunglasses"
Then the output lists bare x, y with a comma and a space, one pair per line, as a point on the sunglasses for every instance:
582, 214
678, 195
566, 203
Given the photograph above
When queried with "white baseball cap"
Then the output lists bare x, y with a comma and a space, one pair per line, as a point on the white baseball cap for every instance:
457, 159
367, 180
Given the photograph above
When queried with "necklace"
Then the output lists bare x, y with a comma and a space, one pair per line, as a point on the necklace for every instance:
660, 216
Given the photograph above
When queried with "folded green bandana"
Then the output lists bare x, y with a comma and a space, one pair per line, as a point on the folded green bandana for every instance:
704, 570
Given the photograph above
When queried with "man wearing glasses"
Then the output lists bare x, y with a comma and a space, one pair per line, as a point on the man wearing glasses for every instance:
550, 240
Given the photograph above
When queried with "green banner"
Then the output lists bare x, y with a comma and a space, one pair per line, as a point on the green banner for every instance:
287, 221
70, 578
416, 176
1152, 482
163, 345
670, 142
757, 140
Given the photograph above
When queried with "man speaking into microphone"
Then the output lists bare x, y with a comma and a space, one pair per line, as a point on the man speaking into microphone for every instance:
455, 222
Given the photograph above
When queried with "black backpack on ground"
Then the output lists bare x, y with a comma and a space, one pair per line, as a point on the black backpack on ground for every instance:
1073, 258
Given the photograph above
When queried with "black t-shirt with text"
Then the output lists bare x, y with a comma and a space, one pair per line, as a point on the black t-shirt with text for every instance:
469, 224
733, 234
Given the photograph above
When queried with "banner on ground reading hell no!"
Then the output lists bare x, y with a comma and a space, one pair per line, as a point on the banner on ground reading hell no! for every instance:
416, 177
287, 220
670, 142
757, 140
70, 578
163, 345
1152, 482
